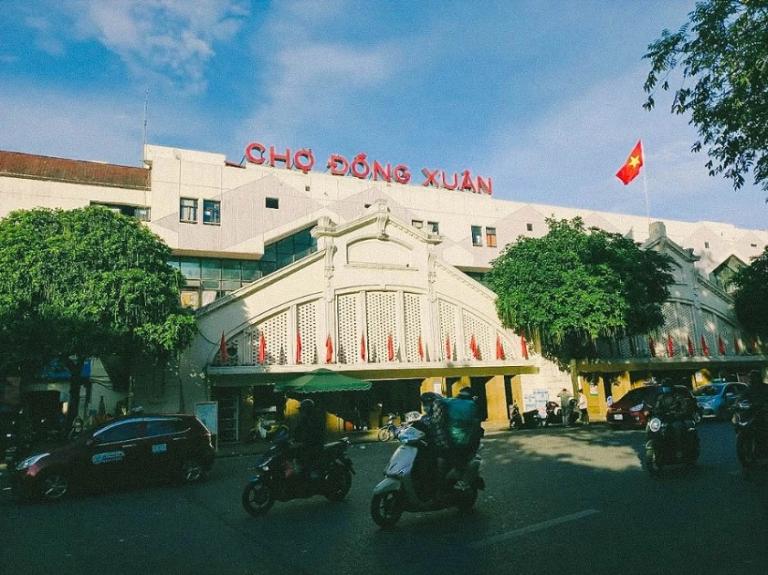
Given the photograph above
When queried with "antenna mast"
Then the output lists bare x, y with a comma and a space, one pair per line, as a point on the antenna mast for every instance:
144, 141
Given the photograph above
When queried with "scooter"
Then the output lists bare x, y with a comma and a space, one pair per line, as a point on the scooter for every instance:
277, 478
528, 420
405, 486
751, 435
264, 428
670, 443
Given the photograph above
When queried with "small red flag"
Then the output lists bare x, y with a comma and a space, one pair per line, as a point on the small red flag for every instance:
499, 348
448, 347
691, 351
328, 349
670, 346
736, 344
298, 346
421, 350
223, 353
523, 346
473, 347
390, 348
262, 348
652, 346
720, 345
631, 167
704, 346
363, 355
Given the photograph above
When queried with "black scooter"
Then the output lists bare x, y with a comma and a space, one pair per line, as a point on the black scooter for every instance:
670, 443
528, 420
751, 434
277, 479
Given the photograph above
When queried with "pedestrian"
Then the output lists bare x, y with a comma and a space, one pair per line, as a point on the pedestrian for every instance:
583, 410
565, 398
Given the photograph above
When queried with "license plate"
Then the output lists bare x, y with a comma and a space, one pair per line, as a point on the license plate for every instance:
618, 416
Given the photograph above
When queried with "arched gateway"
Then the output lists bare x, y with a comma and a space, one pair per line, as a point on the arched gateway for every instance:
373, 302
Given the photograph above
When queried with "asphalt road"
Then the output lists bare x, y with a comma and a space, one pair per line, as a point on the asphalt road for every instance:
570, 501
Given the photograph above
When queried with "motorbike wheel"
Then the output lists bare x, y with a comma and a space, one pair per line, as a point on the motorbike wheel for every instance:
386, 508
385, 434
651, 460
746, 450
337, 483
257, 498
467, 500
52, 486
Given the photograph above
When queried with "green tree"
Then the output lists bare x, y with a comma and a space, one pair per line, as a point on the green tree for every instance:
722, 52
85, 283
573, 286
751, 296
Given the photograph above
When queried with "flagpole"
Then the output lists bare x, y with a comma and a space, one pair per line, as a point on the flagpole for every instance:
645, 190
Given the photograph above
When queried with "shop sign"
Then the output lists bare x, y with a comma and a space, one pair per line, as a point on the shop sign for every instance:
362, 168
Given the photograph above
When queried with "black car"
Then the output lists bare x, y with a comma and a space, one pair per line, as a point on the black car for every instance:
129, 448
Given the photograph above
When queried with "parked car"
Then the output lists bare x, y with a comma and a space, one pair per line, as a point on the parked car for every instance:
717, 399
634, 407
131, 448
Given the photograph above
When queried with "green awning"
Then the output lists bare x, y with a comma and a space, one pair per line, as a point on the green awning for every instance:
322, 381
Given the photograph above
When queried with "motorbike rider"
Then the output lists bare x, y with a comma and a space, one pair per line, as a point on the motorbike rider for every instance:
673, 408
757, 393
309, 437
465, 433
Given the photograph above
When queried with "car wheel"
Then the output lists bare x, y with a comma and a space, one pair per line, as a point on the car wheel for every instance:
192, 471
384, 434
53, 485
386, 508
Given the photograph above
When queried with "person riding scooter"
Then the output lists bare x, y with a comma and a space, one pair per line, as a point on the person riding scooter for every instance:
309, 437
465, 433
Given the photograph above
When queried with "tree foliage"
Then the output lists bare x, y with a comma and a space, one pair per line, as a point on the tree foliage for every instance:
751, 296
575, 285
85, 283
722, 52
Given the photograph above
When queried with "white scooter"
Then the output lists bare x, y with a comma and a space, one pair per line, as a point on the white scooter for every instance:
408, 478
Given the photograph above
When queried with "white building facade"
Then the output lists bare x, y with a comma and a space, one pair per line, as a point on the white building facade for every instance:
362, 270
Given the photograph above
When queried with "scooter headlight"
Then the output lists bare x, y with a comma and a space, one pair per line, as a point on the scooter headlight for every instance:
654, 424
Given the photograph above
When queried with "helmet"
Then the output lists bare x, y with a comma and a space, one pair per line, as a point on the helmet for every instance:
429, 397
666, 385
466, 393
306, 405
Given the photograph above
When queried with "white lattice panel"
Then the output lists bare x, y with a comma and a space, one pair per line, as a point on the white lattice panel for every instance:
306, 317
710, 331
686, 322
381, 322
275, 331
349, 335
725, 330
447, 329
413, 330
482, 332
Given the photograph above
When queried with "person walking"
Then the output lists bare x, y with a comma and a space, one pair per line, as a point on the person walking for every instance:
583, 408
565, 408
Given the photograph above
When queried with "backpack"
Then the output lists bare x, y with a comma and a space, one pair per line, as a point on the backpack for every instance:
463, 421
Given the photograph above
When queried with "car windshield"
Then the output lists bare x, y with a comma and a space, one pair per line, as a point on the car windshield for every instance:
708, 390
638, 395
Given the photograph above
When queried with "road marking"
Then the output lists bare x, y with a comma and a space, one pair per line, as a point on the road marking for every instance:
533, 528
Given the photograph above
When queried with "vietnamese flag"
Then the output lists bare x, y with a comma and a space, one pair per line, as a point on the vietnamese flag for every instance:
704, 346
631, 167
448, 347
499, 348
298, 347
523, 346
473, 347
736, 344
328, 349
720, 345
362, 347
421, 350
390, 348
223, 353
691, 351
670, 346
262, 348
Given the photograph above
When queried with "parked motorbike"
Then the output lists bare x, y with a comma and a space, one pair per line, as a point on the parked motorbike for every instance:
409, 482
277, 479
751, 434
670, 443
529, 419
263, 429
389, 430
554, 413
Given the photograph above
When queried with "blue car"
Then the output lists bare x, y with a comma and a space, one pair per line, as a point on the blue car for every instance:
717, 399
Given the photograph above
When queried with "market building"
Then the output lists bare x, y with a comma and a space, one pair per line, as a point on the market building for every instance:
374, 270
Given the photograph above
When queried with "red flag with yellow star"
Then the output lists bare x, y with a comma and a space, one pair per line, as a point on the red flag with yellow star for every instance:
631, 167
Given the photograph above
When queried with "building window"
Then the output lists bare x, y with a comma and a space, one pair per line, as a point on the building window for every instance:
752, 245
529, 227
212, 212
139, 212
188, 210
273, 203
418, 224
706, 245
477, 236
490, 237
433, 227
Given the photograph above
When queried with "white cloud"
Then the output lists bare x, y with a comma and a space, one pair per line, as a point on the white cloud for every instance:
161, 39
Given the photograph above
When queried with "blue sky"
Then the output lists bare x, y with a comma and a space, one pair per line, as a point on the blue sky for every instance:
542, 96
